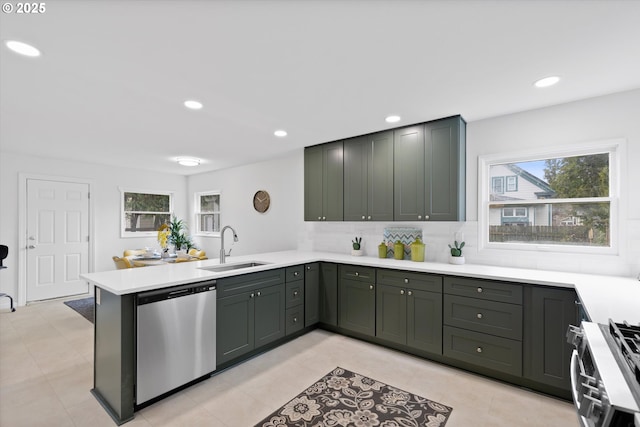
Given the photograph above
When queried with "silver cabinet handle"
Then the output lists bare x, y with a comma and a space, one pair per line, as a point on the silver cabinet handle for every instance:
308, 268
324, 218
419, 216
371, 287
369, 217
426, 217
409, 293
258, 293
295, 273
479, 290
295, 293
479, 350
357, 274
479, 315
401, 291
295, 319
31, 247
406, 281
362, 216
319, 218
251, 295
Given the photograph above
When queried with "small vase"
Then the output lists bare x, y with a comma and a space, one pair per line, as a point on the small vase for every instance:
398, 250
458, 260
382, 250
357, 252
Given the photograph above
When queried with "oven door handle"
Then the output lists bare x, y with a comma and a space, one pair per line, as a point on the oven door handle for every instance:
575, 365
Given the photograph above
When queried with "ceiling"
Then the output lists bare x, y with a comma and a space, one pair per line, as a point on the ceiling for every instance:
110, 84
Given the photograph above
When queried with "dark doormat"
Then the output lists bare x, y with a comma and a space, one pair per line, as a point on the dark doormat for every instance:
344, 398
83, 306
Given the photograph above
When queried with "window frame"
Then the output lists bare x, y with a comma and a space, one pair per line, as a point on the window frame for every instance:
616, 149
123, 214
197, 212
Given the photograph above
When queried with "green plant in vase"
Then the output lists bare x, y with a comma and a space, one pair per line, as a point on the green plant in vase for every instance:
456, 253
356, 244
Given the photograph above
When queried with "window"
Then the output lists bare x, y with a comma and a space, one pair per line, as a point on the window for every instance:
144, 212
497, 184
207, 212
564, 199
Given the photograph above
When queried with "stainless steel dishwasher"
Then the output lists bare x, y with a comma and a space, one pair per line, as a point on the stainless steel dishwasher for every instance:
176, 338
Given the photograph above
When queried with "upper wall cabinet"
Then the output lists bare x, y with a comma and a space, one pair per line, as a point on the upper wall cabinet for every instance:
416, 173
323, 182
368, 177
429, 171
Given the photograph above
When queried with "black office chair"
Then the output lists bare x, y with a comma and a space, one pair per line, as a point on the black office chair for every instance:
4, 251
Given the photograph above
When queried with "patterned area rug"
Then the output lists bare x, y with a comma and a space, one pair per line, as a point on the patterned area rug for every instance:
343, 398
83, 306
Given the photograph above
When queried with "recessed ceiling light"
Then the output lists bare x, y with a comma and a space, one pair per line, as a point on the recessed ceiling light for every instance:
547, 81
280, 133
392, 119
186, 161
193, 105
22, 48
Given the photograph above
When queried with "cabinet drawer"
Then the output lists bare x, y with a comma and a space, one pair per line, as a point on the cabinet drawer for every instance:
249, 282
483, 289
294, 273
295, 293
482, 350
496, 318
294, 319
404, 279
358, 273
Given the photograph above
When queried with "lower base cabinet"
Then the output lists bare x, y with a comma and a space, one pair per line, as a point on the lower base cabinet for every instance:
547, 316
328, 294
250, 319
409, 309
357, 299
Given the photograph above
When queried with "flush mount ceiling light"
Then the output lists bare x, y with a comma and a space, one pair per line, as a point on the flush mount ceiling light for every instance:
280, 133
392, 119
22, 48
186, 161
193, 105
547, 81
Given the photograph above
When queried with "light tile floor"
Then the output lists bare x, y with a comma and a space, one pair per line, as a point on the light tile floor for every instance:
46, 355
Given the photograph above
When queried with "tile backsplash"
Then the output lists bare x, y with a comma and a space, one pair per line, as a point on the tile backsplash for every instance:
337, 236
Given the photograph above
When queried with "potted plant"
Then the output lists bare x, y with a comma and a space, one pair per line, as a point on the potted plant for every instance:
356, 251
456, 253
177, 236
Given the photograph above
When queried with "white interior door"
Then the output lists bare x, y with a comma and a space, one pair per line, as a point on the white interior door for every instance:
57, 238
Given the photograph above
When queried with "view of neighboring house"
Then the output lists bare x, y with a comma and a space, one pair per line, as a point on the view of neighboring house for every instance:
509, 183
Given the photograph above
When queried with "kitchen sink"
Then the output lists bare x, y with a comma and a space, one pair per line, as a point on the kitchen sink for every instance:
228, 267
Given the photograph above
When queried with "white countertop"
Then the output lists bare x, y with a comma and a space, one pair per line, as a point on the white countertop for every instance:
603, 297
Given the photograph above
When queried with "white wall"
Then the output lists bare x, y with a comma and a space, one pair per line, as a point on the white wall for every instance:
607, 117
106, 203
276, 229
282, 227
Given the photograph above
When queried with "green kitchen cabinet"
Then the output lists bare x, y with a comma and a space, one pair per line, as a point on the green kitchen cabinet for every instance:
323, 182
328, 299
251, 312
409, 309
548, 312
368, 177
295, 299
311, 294
357, 299
429, 171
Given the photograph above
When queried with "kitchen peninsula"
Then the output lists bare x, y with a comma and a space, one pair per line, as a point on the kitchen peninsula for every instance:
468, 304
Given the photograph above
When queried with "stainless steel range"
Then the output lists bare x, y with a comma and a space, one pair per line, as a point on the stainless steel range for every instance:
605, 374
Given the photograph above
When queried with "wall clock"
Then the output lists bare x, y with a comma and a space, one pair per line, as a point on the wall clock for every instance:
261, 201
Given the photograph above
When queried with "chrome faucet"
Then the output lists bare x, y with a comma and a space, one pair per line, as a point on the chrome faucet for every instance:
223, 254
